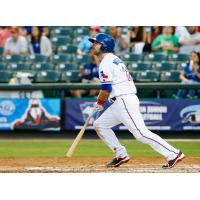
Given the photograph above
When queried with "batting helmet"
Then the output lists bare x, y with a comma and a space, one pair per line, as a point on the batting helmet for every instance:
108, 43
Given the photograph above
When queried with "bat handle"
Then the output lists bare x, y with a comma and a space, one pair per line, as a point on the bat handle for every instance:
79, 136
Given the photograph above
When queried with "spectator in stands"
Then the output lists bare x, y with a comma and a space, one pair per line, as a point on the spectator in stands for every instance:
190, 74
5, 33
38, 43
152, 33
121, 44
85, 45
46, 31
189, 39
89, 74
137, 37
16, 44
167, 42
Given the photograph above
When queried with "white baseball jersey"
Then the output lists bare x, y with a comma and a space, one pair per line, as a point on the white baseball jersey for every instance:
113, 71
125, 109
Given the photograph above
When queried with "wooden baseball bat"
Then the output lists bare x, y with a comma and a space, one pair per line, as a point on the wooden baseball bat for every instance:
79, 136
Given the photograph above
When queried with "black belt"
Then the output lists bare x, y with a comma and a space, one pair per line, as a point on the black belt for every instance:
114, 99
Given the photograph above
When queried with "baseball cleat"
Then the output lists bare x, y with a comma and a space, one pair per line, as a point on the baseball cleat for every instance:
172, 163
116, 162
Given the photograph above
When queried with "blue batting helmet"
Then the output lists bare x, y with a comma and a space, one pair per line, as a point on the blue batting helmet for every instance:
108, 43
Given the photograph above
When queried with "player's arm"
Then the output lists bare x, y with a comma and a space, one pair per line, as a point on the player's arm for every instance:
103, 96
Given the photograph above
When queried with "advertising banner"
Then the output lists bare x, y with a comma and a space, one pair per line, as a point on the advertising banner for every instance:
32, 114
157, 114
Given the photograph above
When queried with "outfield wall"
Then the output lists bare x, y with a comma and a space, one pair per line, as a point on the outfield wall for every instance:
70, 114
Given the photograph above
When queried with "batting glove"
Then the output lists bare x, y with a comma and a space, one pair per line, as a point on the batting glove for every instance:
98, 107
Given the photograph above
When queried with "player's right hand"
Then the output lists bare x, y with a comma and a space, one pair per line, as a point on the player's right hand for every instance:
98, 107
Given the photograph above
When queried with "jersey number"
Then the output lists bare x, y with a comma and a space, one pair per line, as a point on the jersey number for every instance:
127, 74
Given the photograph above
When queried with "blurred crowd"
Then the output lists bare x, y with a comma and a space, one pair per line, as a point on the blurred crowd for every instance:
136, 39
32, 40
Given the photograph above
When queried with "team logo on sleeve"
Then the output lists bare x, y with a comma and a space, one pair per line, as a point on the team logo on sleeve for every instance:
103, 76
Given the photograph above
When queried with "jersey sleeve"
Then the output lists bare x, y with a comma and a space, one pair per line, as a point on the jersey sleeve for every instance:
106, 73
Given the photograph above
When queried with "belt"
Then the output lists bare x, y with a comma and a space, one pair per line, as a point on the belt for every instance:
114, 99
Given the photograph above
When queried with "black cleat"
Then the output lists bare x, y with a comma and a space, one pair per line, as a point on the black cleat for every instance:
172, 163
116, 162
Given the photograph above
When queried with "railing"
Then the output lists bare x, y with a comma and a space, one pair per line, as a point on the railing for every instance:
67, 86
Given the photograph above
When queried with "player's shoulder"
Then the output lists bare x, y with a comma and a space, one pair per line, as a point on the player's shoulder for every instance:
110, 59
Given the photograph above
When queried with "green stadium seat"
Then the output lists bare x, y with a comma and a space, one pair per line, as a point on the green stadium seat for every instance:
180, 58
60, 41
71, 76
15, 59
71, 49
165, 66
38, 58
66, 66
67, 31
148, 76
43, 66
156, 57
139, 66
82, 31
133, 57
19, 66
170, 76
61, 58
82, 59
47, 77
5, 76
3, 66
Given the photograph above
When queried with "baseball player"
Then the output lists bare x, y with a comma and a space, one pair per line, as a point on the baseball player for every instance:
117, 86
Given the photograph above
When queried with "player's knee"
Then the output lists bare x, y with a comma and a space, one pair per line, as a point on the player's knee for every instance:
96, 125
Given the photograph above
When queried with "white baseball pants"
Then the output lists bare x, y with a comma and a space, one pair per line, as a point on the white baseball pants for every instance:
125, 110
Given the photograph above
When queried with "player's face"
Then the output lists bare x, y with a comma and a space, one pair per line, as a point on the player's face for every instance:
96, 48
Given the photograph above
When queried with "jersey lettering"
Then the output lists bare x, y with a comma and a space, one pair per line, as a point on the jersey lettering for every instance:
116, 61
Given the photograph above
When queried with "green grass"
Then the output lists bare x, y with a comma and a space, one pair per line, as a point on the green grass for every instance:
41, 149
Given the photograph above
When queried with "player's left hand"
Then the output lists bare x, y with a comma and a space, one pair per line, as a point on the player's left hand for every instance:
98, 107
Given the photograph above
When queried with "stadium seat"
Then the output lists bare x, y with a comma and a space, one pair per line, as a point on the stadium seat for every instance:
82, 31
67, 31
139, 66
47, 77
72, 49
66, 66
180, 58
5, 76
14, 59
70, 76
19, 67
61, 58
170, 76
82, 59
165, 66
148, 76
156, 57
38, 58
60, 41
43, 66
133, 57
3, 66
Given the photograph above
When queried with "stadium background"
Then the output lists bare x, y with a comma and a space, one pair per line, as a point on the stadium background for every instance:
63, 67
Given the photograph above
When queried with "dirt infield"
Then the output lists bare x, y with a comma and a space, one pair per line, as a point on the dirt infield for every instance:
94, 165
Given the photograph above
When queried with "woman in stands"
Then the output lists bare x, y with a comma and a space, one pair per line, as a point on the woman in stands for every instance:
167, 42
39, 43
190, 74
137, 38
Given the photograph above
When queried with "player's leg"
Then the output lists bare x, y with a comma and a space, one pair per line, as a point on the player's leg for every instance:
131, 117
103, 127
